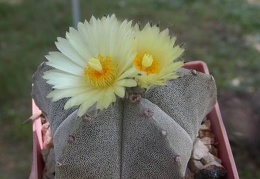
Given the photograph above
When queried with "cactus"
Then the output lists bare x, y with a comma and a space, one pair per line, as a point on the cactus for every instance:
131, 119
144, 135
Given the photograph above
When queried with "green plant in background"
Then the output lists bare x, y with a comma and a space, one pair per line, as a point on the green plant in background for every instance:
213, 31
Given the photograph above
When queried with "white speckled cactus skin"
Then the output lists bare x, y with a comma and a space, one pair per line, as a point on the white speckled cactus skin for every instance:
151, 137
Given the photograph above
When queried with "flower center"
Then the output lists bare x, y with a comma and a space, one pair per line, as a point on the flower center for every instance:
100, 72
146, 63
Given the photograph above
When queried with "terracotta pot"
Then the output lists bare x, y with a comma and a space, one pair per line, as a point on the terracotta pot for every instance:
218, 128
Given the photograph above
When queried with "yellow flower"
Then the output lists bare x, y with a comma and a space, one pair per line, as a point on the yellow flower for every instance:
156, 56
94, 64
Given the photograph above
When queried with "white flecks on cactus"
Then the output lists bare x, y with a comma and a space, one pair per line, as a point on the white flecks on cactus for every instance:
134, 98
148, 112
194, 72
71, 139
177, 158
58, 164
164, 133
87, 118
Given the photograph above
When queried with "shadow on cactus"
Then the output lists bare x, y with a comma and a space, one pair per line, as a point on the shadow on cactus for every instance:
118, 103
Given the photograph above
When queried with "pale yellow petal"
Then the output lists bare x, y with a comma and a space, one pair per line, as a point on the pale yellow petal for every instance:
120, 91
66, 83
66, 48
79, 99
84, 107
132, 72
61, 62
75, 40
64, 93
106, 99
127, 83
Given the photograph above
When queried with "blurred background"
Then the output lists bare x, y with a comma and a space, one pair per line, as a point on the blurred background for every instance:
224, 34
